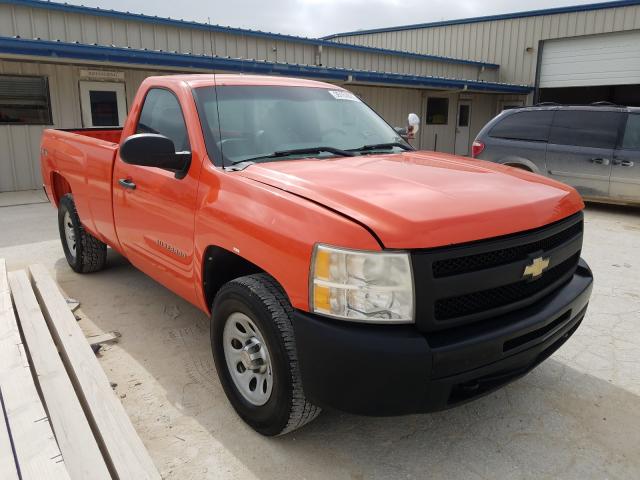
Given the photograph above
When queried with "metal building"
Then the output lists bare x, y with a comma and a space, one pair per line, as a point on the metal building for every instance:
65, 66
569, 54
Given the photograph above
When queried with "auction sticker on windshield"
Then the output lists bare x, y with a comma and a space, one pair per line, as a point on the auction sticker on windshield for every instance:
344, 95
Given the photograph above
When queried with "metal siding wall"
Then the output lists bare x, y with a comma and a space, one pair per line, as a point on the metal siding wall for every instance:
71, 27
483, 109
20, 144
393, 104
339, 57
503, 41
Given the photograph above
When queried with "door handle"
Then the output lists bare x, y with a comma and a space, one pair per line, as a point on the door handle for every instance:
600, 161
623, 163
126, 183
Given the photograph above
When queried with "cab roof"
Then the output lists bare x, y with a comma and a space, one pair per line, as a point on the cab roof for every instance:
208, 80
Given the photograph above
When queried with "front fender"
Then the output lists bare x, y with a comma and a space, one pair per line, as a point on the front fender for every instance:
270, 228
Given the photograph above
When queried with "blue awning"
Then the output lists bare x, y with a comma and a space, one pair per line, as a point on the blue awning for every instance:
110, 54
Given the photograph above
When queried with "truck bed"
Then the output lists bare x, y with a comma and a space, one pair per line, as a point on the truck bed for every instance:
86, 158
111, 135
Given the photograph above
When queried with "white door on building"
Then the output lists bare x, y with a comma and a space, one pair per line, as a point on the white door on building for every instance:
103, 104
462, 127
605, 59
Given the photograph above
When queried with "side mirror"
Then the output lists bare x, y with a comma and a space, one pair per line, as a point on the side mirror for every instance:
402, 131
152, 150
413, 125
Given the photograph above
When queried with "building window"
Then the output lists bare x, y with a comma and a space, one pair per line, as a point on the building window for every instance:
24, 100
437, 111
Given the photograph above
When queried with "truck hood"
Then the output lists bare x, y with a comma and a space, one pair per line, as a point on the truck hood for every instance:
424, 199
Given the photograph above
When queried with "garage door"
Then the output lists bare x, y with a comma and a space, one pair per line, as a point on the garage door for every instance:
608, 59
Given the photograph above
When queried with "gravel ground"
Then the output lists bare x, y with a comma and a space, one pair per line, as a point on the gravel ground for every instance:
575, 416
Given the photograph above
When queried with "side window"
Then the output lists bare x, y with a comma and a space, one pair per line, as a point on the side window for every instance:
530, 125
24, 100
632, 133
161, 113
585, 128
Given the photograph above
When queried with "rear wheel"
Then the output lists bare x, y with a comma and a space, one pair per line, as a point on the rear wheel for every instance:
83, 251
255, 354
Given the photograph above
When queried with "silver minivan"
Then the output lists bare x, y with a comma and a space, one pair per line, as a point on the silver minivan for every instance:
596, 148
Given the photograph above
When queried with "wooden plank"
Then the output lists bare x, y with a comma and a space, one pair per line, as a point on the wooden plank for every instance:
112, 426
104, 338
36, 450
80, 451
8, 468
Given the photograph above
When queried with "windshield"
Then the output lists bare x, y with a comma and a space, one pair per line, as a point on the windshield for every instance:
269, 123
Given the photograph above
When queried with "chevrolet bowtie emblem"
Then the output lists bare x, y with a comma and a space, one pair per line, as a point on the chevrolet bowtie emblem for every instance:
536, 267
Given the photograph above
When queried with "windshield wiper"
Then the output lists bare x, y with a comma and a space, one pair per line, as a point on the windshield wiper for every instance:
381, 146
301, 151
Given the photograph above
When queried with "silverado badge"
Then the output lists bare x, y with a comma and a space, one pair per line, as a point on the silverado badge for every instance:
537, 266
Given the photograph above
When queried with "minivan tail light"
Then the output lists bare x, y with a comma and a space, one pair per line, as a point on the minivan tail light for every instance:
477, 148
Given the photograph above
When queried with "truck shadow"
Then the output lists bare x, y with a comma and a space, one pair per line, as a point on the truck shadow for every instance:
556, 422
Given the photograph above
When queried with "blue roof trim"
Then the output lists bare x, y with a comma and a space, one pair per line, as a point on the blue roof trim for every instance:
488, 18
80, 9
76, 51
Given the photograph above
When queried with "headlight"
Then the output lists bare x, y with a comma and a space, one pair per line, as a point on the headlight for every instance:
375, 287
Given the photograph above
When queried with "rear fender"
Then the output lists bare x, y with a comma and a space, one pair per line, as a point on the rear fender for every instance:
59, 187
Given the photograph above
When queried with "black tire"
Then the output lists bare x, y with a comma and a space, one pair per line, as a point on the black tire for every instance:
262, 299
90, 253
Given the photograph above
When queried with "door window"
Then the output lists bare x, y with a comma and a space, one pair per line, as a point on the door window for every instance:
631, 139
437, 111
463, 115
103, 104
529, 125
104, 108
585, 128
161, 114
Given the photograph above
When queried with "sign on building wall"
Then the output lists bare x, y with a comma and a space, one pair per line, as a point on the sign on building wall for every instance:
101, 75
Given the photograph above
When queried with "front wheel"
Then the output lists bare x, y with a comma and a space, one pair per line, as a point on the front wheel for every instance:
83, 251
255, 355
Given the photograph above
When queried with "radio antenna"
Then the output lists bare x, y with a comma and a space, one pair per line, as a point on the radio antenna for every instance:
210, 36
215, 89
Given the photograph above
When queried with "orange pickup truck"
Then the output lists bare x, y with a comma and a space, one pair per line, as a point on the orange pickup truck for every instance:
341, 268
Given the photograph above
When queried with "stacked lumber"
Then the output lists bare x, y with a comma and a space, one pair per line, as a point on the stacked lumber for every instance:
59, 418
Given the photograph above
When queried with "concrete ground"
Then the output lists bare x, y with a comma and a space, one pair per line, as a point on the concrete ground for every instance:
575, 416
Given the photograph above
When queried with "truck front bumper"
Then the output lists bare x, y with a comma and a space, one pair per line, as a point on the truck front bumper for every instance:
395, 370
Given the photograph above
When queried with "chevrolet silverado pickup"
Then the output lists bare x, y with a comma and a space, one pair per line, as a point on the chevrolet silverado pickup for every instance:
340, 268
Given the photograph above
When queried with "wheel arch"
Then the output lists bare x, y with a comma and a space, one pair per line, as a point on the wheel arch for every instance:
59, 186
220, 266
521, 163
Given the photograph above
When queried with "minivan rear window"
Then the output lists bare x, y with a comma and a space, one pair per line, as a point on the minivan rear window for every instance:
585, 128
529, 125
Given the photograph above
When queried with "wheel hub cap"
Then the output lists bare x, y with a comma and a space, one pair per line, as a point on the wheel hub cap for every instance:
247, 358
252, 356
70, 234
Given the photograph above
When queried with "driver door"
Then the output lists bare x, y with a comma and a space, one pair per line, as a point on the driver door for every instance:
153, 210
